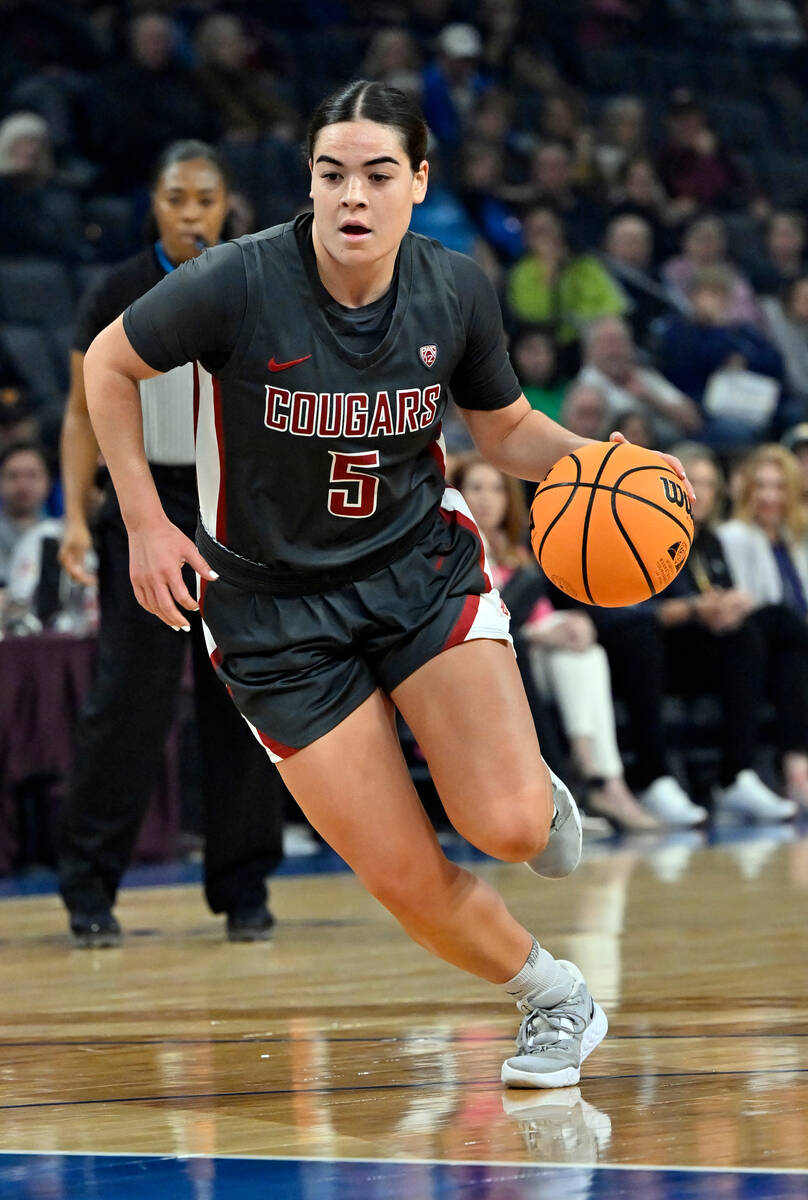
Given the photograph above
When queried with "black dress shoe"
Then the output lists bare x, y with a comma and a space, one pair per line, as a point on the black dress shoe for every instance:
250, 924
94, 930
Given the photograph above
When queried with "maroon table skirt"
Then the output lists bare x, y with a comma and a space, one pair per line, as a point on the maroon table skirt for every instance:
43, 680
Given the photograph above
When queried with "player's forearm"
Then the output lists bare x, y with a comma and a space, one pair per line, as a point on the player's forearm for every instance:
531, 448
113, 402
78, 459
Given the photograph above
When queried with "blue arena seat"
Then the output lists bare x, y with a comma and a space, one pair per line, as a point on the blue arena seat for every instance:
35, 291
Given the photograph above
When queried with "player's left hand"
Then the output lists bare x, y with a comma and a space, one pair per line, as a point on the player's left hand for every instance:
672, 462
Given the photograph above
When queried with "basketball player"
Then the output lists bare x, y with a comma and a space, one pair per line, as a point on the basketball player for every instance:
338, 576
123, 726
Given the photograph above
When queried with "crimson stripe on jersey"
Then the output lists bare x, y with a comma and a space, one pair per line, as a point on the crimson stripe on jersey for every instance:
436, 451
464, 622
462, 519
196, 400
221, 505
276, 747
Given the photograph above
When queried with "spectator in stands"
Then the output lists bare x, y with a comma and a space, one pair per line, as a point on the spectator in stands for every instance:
499, 22
796, 440
766, 547
693, 164
443, 217
584, 411
704, 244
562, 120
24, 486
144, 100
564, 655
638, 192
535, 360
784, 256
552, 184
611, 365
18, 422
552, 286
636, 427
628, 249
787, 325
704, 355
452, 83
244, 101
766, 541
37, 214
710, 644
480, 190
393, 57
766, 22
622, 136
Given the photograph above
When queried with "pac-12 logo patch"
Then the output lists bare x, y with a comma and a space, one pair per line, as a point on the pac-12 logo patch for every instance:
428, 355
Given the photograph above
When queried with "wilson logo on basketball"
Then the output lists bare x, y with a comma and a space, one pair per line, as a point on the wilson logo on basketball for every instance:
674, 493
428, 354
678, 553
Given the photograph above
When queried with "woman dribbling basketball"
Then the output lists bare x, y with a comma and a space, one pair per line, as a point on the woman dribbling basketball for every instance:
348, 579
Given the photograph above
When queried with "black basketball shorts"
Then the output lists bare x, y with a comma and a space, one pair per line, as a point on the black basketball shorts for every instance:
297, 666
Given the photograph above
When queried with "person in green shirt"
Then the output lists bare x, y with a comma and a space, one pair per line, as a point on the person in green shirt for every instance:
535, 359
550, 285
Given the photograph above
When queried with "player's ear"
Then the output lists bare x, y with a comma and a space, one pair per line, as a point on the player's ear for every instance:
311, 172
419, 183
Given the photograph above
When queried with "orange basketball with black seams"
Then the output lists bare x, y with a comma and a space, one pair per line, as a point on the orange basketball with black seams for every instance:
611, 524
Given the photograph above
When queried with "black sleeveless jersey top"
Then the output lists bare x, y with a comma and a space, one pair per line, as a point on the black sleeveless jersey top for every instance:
317, 463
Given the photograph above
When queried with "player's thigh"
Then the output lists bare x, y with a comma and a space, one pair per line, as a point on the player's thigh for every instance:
468, 711
354, 788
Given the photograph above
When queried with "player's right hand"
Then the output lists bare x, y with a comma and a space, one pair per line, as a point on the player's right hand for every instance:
76, 542
157, 554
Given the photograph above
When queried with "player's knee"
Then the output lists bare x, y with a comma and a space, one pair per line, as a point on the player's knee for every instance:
520, 842
521, 829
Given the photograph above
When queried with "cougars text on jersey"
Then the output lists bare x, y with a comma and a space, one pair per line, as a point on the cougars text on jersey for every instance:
350, 414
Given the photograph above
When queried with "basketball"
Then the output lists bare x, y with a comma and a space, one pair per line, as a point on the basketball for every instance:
611, 524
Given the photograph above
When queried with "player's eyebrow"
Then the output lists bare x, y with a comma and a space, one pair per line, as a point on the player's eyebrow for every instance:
371, 162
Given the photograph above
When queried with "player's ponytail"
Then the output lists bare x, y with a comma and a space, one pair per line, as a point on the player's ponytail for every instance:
364, 99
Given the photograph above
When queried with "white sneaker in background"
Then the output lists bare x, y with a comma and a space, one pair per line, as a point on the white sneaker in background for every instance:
299, 842
749, 797
670, 803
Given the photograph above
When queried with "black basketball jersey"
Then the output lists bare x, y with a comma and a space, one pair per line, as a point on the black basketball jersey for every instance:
313, 458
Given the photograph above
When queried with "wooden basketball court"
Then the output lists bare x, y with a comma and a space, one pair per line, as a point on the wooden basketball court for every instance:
341, 1060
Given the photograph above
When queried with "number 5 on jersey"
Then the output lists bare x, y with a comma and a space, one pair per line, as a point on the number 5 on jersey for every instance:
353, 491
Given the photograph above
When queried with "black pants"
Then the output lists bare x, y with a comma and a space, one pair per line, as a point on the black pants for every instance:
767, 656
122, 730
647, 661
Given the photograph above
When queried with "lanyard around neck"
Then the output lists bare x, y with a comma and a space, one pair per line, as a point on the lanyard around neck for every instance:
163, 259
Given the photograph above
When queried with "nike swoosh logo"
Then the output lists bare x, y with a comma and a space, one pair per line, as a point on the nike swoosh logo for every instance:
276, 366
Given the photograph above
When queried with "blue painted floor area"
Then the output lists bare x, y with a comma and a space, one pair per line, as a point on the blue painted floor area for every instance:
41, 881
96, 1177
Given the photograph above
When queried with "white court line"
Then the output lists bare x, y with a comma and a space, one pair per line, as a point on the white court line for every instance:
415, 1162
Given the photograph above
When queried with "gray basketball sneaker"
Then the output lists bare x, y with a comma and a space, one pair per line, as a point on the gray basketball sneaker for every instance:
553, 1042
563, 850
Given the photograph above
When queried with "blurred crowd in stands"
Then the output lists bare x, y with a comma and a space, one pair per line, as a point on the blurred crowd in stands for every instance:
633, 177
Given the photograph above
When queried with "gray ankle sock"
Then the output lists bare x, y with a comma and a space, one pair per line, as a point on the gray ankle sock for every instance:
541, 983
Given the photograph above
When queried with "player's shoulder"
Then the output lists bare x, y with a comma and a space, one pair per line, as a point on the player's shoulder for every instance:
270, 239
469, 277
